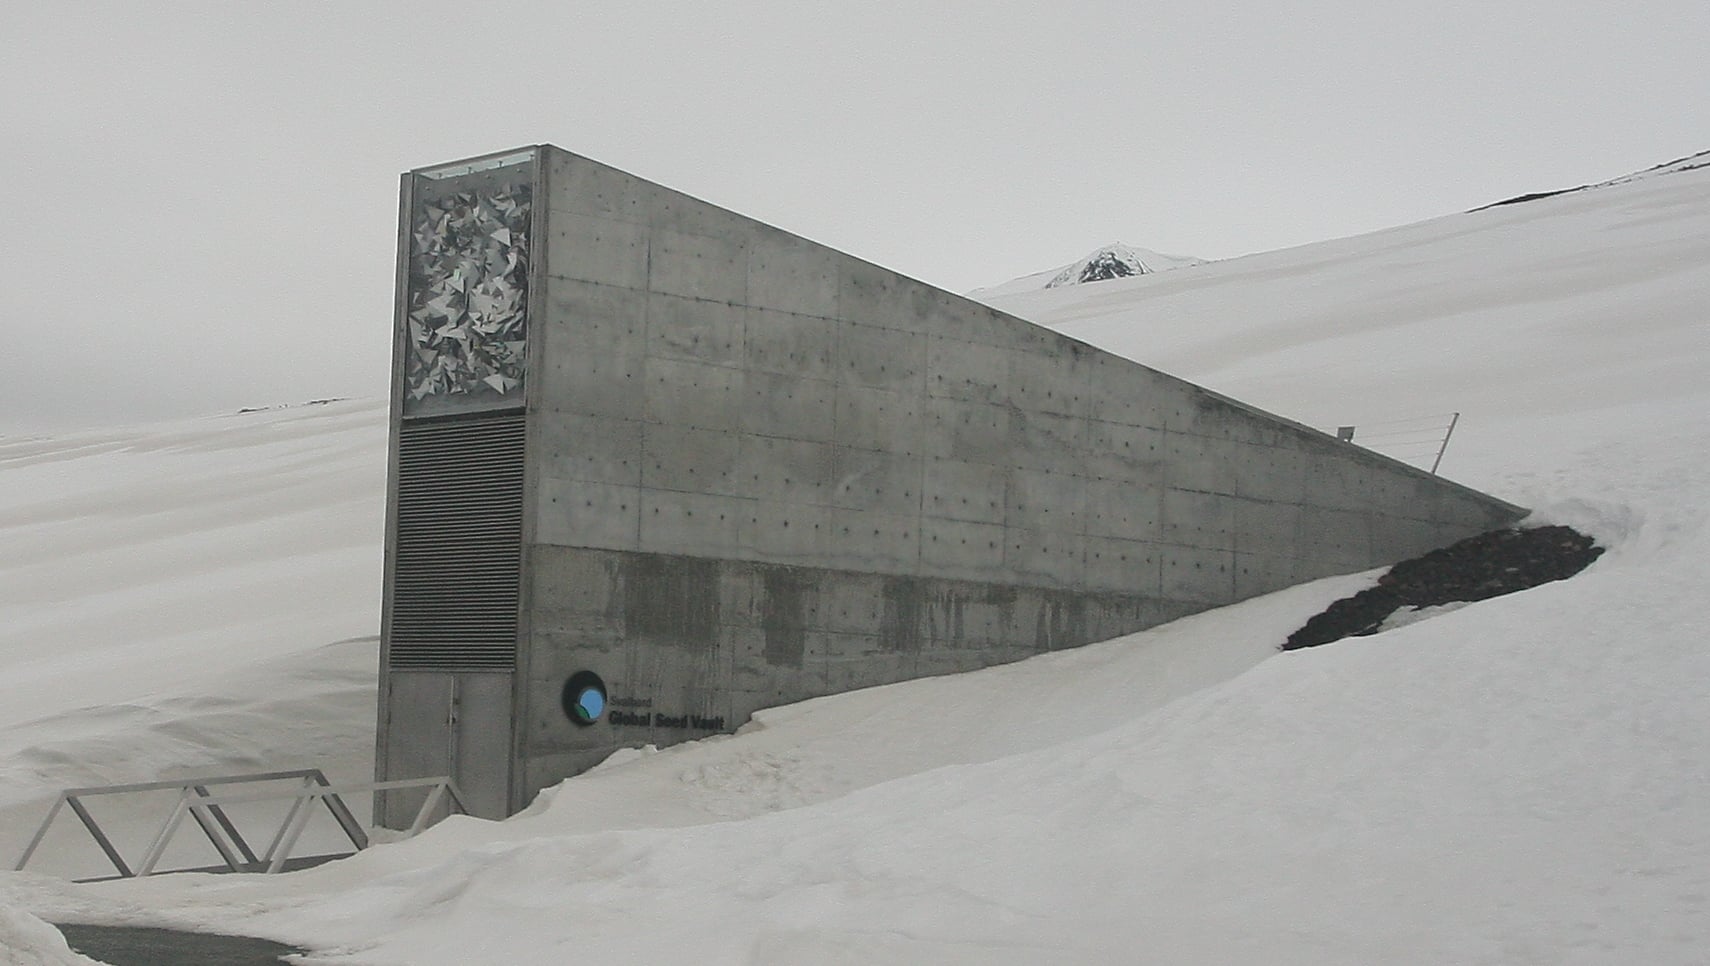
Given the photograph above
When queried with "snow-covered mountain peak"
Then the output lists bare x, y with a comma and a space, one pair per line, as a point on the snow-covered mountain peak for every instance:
1106, 262
1117, 260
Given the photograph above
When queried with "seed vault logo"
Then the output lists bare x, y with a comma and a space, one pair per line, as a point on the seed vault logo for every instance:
585, 702
584, 698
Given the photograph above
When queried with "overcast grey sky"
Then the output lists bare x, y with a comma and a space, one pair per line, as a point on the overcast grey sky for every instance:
198, 201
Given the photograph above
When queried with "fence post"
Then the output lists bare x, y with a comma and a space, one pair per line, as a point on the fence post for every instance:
1446, 434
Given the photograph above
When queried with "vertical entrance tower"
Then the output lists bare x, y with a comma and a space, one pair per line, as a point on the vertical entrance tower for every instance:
452, 616
656, 466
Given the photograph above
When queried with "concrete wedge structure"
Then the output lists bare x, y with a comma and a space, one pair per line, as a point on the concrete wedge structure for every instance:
656, 465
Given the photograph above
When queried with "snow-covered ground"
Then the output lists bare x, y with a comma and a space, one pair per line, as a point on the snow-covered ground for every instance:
1522, 780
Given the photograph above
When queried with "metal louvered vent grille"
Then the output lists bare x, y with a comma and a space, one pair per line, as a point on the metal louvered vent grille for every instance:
456, 570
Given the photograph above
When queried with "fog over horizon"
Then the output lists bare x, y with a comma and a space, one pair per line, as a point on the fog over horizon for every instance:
202, 200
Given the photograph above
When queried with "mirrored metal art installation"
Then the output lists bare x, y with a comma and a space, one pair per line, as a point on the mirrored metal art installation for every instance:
468, 299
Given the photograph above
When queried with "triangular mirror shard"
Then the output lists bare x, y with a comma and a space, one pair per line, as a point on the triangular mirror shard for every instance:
756, 470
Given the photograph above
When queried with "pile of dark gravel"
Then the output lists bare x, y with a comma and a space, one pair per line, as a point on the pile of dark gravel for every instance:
1488, 565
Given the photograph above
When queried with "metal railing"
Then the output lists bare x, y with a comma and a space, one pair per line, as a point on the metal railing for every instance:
1413, 440
209, 812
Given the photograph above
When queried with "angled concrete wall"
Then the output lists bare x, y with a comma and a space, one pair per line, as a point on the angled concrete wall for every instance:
766, 470
759, 470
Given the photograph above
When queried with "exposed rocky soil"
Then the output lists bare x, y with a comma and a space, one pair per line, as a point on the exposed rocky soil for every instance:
1488, 565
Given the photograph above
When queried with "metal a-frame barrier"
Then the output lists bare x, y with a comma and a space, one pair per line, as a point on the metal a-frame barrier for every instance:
208, 810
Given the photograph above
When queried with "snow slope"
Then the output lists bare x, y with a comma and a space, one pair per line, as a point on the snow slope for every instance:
189, 598
1566, 305
1523, 780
